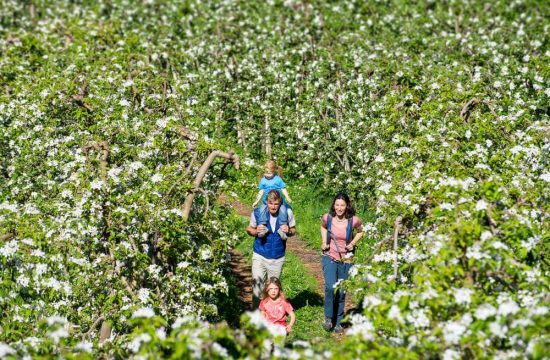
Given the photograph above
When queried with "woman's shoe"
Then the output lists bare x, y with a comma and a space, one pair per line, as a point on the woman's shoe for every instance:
327, 325
338, 329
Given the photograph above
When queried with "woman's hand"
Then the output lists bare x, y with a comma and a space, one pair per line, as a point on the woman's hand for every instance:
350, 246
325, 246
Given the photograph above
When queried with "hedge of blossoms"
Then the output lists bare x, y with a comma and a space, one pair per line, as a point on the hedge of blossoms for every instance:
373, 105
87, 239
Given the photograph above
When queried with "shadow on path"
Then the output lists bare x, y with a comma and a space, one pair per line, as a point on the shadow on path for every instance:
306, 298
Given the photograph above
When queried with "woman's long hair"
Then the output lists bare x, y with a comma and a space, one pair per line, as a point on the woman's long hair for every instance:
350, 210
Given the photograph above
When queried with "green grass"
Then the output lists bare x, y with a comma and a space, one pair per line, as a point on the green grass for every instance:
300, 288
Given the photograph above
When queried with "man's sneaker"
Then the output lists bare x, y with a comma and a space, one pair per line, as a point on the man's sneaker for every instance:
282, 234
327, 325
338, 329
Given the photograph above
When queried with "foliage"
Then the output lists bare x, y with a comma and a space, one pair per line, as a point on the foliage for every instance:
371, 96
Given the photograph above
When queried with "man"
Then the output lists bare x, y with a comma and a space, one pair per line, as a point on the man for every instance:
270, 243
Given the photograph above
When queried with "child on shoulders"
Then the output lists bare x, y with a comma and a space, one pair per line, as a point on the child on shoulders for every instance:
272, 181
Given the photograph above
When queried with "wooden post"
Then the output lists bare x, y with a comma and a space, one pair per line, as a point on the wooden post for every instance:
104, 332
396, 225
267, 134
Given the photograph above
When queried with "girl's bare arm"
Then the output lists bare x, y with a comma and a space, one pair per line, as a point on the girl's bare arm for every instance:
285, 193
258, 198
292, 321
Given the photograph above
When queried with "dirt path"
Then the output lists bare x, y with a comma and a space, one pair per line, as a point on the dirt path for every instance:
243, 277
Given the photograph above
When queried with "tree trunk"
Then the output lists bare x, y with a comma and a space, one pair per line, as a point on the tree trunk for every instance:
267, 134
396, 226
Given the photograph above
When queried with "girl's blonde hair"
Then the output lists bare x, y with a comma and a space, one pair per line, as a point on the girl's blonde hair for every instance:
271, 166
272, 281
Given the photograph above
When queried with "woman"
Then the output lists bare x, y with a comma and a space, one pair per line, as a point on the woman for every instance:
338, 245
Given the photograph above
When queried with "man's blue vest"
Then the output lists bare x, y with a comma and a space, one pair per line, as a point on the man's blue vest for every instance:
270, 246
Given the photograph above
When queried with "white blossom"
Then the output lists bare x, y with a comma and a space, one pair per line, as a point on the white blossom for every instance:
395, 313
362, 327
9, 249
508, 307
486, 235
136, 342
451, 354
485, 311
453, 331
462, 296
58, 334
144, 312
371, 301
6, 350
143, 295
156, 178
85, 346
481, 205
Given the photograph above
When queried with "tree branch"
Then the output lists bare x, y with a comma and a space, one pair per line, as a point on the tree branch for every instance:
465, 112
186, 208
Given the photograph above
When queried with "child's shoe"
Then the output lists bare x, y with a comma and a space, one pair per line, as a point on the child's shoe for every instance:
262, 233
282, 234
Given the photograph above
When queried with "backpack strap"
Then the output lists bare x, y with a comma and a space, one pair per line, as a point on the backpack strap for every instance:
349, 230
329, 226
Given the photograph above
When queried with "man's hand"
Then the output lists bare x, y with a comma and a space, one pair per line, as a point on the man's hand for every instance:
261, 228
284, 228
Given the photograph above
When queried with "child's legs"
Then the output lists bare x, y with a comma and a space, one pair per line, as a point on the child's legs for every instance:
264, 214
283, 215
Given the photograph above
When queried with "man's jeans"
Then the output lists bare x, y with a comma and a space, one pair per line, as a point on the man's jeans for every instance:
334, 301
264, 215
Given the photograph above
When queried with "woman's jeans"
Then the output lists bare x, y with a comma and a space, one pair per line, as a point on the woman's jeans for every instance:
334, 300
